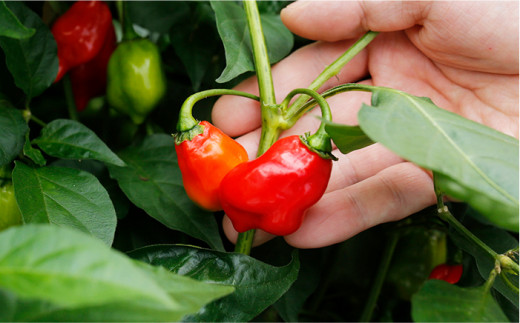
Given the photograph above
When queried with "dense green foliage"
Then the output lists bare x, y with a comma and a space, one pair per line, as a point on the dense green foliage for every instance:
109, 233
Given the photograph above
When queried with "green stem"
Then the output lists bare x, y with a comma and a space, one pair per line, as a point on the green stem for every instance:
37, 120
69, 97
504, 261
292, 115
245, 242
271, 114
128, 28
186, 119
375, 290
260, 56
321, 139
334, 68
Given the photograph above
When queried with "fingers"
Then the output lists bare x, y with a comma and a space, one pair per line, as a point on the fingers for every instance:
391, 195
237, 116
348, 170
336, 20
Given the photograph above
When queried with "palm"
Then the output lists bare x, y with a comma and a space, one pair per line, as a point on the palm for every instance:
395, 62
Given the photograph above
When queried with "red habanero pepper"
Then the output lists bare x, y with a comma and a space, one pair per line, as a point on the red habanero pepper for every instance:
89, 80
448, 273
204, 159
80, 33
274, 191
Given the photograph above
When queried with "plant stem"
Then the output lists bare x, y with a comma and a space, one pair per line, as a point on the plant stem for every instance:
261, 59
334, 68
388, 254
186, 119
271, 115
245, 242
127, 26
292, 115
69, 97
445, 214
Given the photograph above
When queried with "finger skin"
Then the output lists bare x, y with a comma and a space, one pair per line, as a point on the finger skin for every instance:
390, 195
442, 30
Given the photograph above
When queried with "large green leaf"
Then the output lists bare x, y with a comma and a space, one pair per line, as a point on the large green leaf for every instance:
439, 301
13, 132
152, 181
197, 44
65, 197
234, 32
475, 163
70, 139
10, 26
48, 273
257, 285
347, 138
33, 62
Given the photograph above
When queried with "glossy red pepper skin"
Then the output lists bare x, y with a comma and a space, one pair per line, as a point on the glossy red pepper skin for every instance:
204, 161
274, 191
90, 79
80, 33
448, 273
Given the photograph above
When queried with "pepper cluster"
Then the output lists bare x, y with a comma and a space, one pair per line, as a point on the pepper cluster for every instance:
271, 192
86, 38
130, 72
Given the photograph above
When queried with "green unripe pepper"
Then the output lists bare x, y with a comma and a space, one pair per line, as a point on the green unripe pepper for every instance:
136, 81
9, 212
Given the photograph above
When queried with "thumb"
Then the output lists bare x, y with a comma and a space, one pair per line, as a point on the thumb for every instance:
338, 20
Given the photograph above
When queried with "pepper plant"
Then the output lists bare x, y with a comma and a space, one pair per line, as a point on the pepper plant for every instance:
105, 216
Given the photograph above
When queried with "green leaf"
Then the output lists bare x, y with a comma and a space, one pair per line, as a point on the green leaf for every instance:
10, 26
70, 139
14, 129
257, 285
165, 14
477, 164
234, 32
196, 46
65, 197
33, 62
152, 181
32, 153
347, 138
48, 273
439, 301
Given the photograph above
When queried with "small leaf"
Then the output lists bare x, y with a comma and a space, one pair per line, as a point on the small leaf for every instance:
347, 138
13, 132
477, 164
33, 62
439, 301
70, 139
49, 273
32, 153
152, 181
257, 285
64, 196
234, 32
10, 26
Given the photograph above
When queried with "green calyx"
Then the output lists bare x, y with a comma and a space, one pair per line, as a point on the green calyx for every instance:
320, 141
135, 78
319, 144
189, 134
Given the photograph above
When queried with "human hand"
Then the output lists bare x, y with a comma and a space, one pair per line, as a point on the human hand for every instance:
463, 55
